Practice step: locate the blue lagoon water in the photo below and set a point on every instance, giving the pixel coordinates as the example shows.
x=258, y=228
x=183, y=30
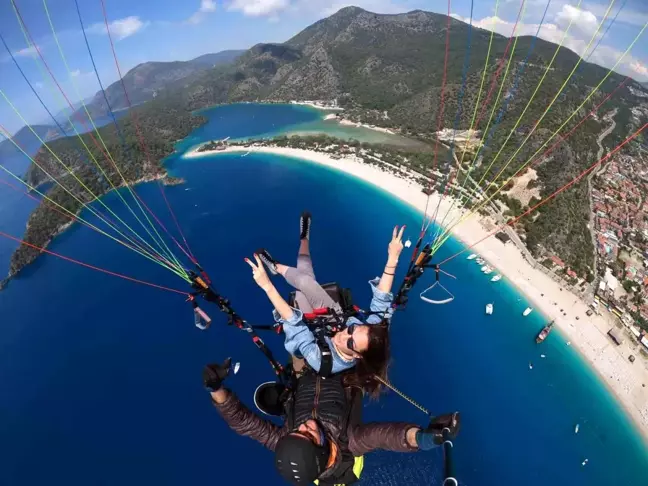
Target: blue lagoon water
x=102, y=378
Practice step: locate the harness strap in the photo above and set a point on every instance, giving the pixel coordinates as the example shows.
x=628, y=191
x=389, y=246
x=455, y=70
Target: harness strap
x=326, y=364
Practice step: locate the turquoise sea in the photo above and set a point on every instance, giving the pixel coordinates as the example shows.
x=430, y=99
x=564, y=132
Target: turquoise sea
x=101, y=378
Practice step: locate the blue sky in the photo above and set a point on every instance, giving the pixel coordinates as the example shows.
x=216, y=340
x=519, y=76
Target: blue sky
x=165, y=30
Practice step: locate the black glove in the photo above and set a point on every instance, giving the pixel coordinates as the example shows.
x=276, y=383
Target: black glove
x=432, y=436
x=450, y=421
x=215, y=374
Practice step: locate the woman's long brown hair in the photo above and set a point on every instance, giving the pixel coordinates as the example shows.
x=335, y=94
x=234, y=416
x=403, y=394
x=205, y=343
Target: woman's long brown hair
x=375, y=361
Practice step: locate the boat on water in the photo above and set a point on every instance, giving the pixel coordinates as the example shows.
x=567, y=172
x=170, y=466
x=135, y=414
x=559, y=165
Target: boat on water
x=488, y=270
x=489, y=309
x=484, y=268
x=527, y=311
x=584, y=462
x=496, y=278
x=480, y=261
x=576, y=428
x=545, y=332
x=472, y=256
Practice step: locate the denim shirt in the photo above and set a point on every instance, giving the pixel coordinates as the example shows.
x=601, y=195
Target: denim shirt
x=300, y=341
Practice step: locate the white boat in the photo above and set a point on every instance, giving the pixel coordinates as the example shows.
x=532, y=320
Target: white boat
x=472, y=256
x=527, y=311
x=530, y=366
x=543, y=356
x=496, y=278
x=484, y=268
x=480, y=261
x=584, y=462
x=489, y=309
x=488, y=270
x=576, y=428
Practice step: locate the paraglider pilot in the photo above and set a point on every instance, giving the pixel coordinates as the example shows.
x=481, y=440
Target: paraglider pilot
x=322, y=436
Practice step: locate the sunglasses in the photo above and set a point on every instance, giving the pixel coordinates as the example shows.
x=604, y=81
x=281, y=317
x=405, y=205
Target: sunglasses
x=350, y=330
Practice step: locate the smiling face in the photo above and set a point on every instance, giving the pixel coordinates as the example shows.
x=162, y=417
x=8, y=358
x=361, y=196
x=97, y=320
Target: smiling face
x=310, y=430
x=353, y=341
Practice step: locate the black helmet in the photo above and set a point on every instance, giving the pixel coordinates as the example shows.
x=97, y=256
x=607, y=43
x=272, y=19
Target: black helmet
x=299, y=461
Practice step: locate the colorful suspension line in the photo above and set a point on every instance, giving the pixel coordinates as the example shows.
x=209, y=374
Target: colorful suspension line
x=96, y=130
x=464, y=78
x=38, y=97
x=91, y=267
x=483, y=79
x=49, y=204
x=609, y=73
x=606, y=30
x=441, y=105
x=151, y=256
x=31, y=43
x=494, y=83
x=137, y=198
x=528, y=105
x=71, y=172
x=444, y=236
x=539, y=121
x=587, y=171
x=139, y=133
x=498, y=119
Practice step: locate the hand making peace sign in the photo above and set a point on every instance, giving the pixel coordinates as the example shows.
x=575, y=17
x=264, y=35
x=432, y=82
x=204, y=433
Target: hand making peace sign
x=259, y=274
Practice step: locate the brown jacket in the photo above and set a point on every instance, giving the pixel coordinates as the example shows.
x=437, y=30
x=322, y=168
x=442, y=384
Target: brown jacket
x=363, y=438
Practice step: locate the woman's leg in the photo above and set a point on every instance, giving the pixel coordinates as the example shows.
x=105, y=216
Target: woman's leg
x=316, y=296
x=304, y=262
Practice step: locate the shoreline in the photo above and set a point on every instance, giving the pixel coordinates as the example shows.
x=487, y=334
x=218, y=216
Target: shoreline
x=588, y=334
x=349, y=123
x=313, y=104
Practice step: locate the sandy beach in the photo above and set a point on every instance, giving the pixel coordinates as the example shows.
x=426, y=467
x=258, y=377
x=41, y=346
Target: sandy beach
x=587, y=334
x=314, y=104
x=364, y=125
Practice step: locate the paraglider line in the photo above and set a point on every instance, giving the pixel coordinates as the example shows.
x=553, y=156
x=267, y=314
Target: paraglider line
x=139, y=133
x=499, y=118
x=30, y=43
x=160, y=241
x=92, y=267
x=524, y=165
x=441, y=103
x=554, y=194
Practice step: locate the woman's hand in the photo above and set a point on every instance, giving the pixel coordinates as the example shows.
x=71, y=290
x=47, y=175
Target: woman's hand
x=259, y=274
x=396, y=244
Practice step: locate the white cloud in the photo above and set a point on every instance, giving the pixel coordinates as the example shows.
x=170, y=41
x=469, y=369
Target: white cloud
x=639, y=68
x=626, y=16
x=583, y=28
x=257, y=8
x=206, y=7
x=582, y=20
x=120, y=29
x=76, y=73
x=26, y=52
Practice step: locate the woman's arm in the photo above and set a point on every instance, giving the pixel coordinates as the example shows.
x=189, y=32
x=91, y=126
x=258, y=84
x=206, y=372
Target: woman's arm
x=283, y=309
x=393, y=253
x=261, y=278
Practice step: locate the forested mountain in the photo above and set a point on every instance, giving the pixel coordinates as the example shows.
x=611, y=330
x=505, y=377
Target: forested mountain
x=388, y=70
x=145, y=81
x=218, y=58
